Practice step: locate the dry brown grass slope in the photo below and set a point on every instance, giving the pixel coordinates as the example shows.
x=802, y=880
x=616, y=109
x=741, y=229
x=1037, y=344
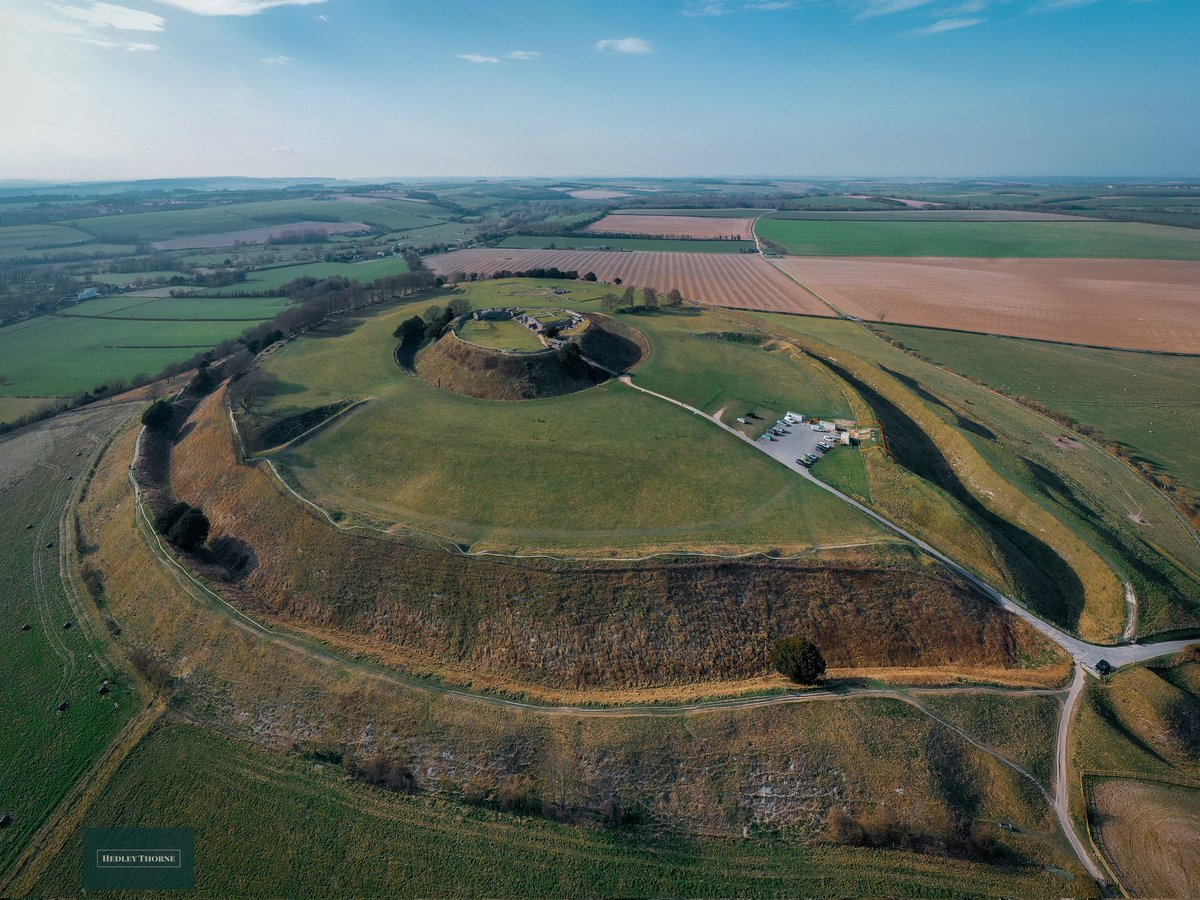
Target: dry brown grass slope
x=577, y=626
x=778, y=770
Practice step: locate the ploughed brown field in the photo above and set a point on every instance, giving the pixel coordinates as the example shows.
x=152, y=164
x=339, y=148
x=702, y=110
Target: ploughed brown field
x=1132, y=303
x=676, y=226
x=745, y=281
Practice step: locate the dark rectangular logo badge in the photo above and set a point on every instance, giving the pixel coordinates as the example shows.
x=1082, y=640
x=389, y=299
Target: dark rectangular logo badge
x=139, y=859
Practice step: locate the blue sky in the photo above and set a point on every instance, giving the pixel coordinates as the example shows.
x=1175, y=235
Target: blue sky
x=365, y=88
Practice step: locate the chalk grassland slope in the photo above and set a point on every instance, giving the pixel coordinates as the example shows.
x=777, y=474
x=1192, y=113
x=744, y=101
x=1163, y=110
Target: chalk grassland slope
x=676, y=226
x=1022, y=728
x=1147, y=305
x=1149, y=403
x=575, y=626
x=424, y=848
x=511, y=476
x=777, y=770
x=170, y=224
x=728, y=279
x=1150, y=835
x=1123, y=240
x=58, y=356
x=1125, y=521
x=1137, y=747
x=1039, y=558
x=53, y=242
x=577, y=241
x=44, y=751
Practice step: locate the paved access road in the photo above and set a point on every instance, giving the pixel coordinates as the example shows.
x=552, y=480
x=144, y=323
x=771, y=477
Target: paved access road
x=1085, y=654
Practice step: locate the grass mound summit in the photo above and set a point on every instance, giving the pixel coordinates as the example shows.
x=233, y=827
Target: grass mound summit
x=464, y=367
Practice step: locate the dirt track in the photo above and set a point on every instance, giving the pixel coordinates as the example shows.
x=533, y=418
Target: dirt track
x=721, y=279
x=1151, y=835
x=1137, y=304
x=676, y=226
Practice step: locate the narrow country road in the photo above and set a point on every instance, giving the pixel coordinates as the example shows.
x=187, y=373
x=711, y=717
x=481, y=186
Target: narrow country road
x=1087, y=655
x=1062, y=775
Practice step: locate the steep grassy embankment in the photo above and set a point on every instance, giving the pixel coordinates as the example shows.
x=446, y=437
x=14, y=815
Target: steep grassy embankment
x=781, y=771
x=573, y=626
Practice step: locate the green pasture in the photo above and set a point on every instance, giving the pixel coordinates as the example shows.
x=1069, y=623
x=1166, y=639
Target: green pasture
x=53, y=242
x=64, y=355
x=661, y=245
x=169, y=224
x=44, y=751
x=504, y=334
x=273, y=278
x=1149, y=402
x=842, y=468
x=604, y=467
x=273, y=825
x=130, y=277
x=1133, y=240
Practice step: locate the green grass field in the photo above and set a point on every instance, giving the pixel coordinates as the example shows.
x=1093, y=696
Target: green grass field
x=168, y=224
x=507, y=334
x=273, y=278
x=59, y=356
x=842, y=468
x=130, y=277
x=604, y=467
x=584, y=242
x=44, y=751
x=1148, y=402
x=53, y=242
x=287, y=826
x=982, y=239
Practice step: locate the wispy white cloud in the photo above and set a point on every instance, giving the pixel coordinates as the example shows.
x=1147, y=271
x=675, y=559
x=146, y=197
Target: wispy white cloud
x=287, y=151
x=32, y=24
x=714, y=8
x=109, y=15
x=1052, y=5
x=699, y=8
x=634, y=46
x=873, y=8
x=943, y=25
x=233, y=7
x=522, y=54
x=477, y=58
x=276, y=60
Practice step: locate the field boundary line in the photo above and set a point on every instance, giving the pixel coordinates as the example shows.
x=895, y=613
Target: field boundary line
x=50, y=838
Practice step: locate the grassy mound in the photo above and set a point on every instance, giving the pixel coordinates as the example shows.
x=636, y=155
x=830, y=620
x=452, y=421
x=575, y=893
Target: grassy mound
x=463, y=367
x=455, y=365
